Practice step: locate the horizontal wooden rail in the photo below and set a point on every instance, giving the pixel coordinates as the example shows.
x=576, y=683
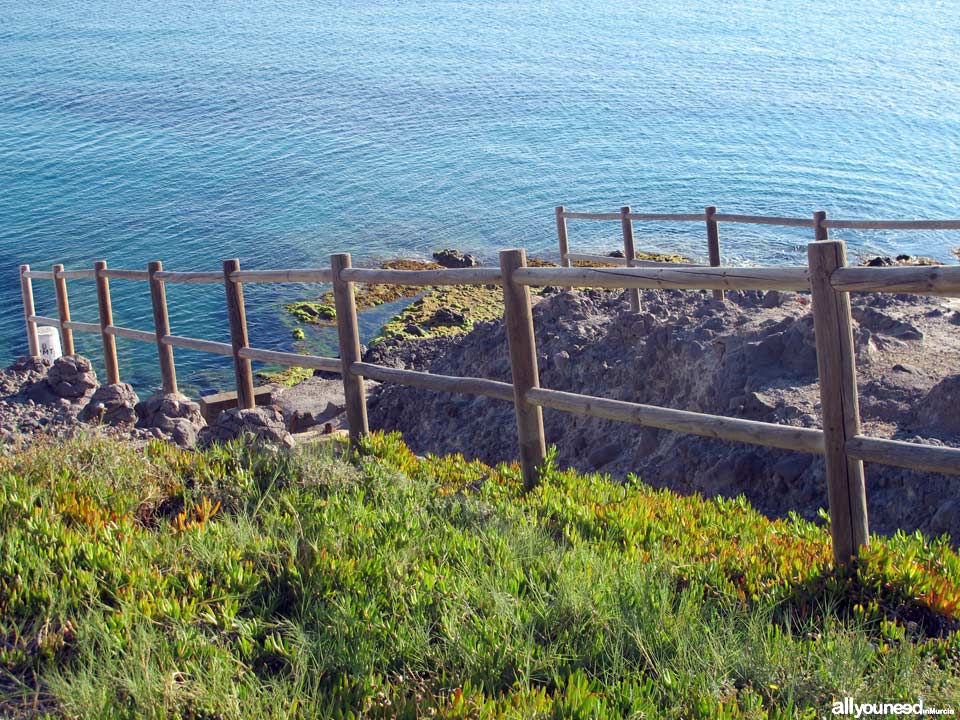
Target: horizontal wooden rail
x=591, y=216
x=442, y=383
x=684, y=278
x=306, y=275
x=763, y=220
x=208, y=346
x=424, y=278
x=44, y=320
x=131, y=334
x=314, y=362
x=595, y=257
x=189, y=277
x=125, y=274
x=893, y=224
x=751, y=432
x=915, y=456
x=590, y=257
x=921, y=279
x=773, y=220
x=76, y=274
x=82, y=326
x=39, y=274
x=666, y=217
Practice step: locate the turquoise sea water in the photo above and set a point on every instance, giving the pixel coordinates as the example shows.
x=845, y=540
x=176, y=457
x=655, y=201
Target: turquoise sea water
x=279, y=132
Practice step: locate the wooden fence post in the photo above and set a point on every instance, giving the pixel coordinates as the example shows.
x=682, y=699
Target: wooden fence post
x=630, y=252
x=237, y=315
x=518, y=321
x=106, y=320
x=26, y=290
x=833, y=331
x=819, y=230
x=349, y=336
x=713, y=243
x=161, y=323
x=562, y=241
x=63, y=310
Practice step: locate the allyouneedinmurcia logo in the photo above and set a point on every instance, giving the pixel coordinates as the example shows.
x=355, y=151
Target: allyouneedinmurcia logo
x=849, y=707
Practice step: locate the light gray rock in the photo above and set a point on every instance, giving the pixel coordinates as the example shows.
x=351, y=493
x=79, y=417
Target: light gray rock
x=310, y=403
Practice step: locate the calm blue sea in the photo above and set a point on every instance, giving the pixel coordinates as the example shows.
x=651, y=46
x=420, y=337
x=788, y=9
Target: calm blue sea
x=279, y=132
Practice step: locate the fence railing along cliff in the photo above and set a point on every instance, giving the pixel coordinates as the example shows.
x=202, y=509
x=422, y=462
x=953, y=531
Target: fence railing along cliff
x=826, y=276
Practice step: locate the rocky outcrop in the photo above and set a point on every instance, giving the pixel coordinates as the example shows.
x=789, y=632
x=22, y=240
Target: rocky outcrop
x=310, y=403
x=171, y=415
x=112, y=405
x=262, y=424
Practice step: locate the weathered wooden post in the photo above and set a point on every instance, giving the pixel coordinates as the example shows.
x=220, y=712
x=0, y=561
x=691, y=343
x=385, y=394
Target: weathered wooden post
x=105, y=308
x=630, y=252
x=348, y=334
x=237, y=315
x=713, y=243
x=63, y=310
x=26, y=290
x=562, y=242
x=833, y=329
x=518, y=320
x=819, y=229
x=161, y=323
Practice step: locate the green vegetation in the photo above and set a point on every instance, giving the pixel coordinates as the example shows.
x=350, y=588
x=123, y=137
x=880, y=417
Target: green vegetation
x=288, y=376
x=238, y=583
x=310, y=312
x=449, y=310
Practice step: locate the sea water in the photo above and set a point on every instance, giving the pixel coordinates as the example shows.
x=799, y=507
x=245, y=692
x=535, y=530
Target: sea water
x=280, y=132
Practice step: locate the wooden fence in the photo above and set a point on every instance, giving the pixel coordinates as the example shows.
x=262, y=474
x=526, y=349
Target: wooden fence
x=826, y=276
x=712, y=219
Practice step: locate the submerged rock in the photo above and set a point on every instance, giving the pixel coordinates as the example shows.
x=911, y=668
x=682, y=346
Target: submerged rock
x=455, y=259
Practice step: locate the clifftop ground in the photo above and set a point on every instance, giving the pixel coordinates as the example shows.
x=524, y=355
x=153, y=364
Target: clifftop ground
x=234, y=583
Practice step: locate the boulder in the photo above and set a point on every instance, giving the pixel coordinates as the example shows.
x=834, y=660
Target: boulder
x=111, y=404
x=455, y=259
x=263, y=424
x=173, y=414
x=70, y=378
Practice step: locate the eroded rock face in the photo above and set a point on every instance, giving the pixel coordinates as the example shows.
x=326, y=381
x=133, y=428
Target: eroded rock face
x=173, y=415
x=111, y=404
x=264, y=424
x=70, y=378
